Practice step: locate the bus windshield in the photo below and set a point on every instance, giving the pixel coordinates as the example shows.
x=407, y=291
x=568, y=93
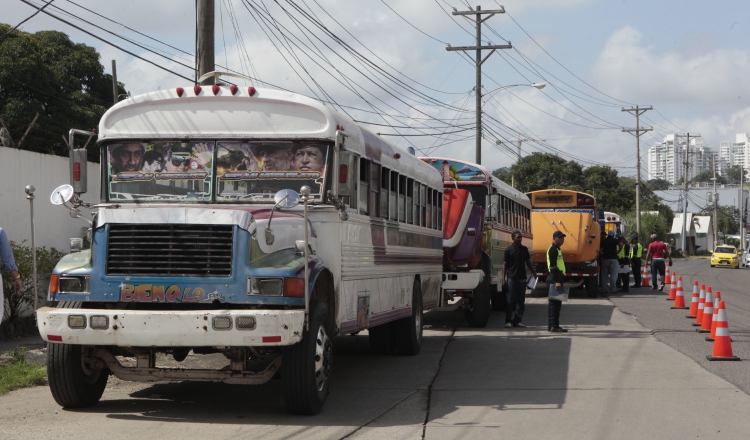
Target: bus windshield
x=207, y=171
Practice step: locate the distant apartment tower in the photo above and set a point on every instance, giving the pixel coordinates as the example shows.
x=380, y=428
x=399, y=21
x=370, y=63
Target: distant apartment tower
x=666, y=160
x=735, y=153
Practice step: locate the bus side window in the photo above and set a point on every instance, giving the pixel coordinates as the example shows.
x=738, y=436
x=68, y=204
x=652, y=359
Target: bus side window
x=439, y=204
x=373, y=207
x=402, y=198
x=428, y=216
x=385, y=177
x=416, y=208
x=410, y=201
x=393, y=197
x=364, y=185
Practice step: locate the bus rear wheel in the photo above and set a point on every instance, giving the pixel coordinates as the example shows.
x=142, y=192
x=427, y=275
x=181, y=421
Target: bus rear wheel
x=408, y=331
x=592, y=287
x=479, y=313
x=306, y=365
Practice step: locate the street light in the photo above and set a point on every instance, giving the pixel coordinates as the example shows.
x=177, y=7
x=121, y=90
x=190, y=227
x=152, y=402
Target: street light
x=479, y=112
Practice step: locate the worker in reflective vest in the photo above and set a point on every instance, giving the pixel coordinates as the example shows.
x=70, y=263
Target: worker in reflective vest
x=623, y=273
x=636, y=253
x=555, y=278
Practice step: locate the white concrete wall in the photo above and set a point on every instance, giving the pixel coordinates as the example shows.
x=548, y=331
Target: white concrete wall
x=54, y=226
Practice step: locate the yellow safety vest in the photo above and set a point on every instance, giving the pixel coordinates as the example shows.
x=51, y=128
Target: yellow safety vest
x=560, y=263
x=621, y=254
x=639, y=252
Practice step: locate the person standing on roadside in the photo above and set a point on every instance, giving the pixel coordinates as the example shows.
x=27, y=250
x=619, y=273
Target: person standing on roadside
x=657, y=252
x=555, y=278
x=636, y=253
x=514, y=276
x=6, y=253
x=624, y=261
x=610, y=264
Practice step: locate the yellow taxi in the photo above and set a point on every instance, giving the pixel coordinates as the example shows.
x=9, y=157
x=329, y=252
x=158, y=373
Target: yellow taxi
x=725, y=255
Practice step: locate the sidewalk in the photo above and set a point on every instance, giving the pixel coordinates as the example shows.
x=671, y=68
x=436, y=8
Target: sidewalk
x=607, y=378
x=30, y=342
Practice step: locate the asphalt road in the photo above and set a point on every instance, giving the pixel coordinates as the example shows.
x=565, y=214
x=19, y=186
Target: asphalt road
x=671, y=327
x=638, y=374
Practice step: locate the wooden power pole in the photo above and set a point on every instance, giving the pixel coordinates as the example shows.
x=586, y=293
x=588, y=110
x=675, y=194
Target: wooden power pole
x=638, y=111
x=205, y=53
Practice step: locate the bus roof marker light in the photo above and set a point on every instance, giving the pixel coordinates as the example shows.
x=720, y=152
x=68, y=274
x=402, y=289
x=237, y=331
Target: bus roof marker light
x=251, y=90
x=180, y=92
x=197, y=90
x=397, y=156
x=215, y=88
x=340, y=127
x=233, y=88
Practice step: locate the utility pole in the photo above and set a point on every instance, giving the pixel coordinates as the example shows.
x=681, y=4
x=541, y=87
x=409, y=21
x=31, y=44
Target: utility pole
x=638, y=111
x=206, y=39
x=742, y=207
x=716, y=203
x=115, y=98
x=686, y=163
x=478, y=60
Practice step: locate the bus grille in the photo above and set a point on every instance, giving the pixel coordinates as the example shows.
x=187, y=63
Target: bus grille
x=170, y=250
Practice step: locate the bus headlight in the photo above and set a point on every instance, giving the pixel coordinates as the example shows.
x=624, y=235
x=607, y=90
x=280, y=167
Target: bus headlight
x=74, y=284
x=77, y=321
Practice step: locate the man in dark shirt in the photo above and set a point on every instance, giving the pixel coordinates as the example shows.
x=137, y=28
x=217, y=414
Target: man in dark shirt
x=514, y=275
x=610, y=263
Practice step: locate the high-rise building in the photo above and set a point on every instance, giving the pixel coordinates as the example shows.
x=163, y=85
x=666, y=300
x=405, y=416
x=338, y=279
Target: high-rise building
x=735, y=153
x=666, y=160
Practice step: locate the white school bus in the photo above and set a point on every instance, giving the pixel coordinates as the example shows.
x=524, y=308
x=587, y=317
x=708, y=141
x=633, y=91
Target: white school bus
x=253, y=223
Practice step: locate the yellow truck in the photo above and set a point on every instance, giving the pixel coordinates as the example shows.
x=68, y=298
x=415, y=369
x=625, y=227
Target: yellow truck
x=575, y=215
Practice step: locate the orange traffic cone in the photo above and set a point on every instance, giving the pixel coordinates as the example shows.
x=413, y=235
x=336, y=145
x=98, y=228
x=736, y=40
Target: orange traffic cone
x=717, y=300
x=667, y=281
x=701, y=306
x=722, y=343
x=673, y=288
x=694, y=301
x=645, y=278
x=679, y=299
x=708, y=313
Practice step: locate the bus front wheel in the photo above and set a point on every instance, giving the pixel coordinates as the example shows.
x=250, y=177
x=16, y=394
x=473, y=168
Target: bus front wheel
x=306, y=365
x=479, y=313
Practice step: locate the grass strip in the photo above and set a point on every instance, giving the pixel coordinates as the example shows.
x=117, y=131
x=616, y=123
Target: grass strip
x=16, y=373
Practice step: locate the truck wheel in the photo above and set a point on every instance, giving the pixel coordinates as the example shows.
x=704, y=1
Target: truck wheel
x=382, y=338
x=306, y=365
x=592, y=287
x=479, y=313
x=73, y=382
x=408, y=331
x=498, y=298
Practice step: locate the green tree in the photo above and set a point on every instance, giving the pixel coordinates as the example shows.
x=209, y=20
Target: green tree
x=657, y=184
x=503, y=174
x=728, y=218
x=706, y=176
x=543, y=170
x=733, y=174
x=64, y=82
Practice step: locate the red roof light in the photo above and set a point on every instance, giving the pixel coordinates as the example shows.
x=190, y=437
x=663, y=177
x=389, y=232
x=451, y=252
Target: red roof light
x=215, y=88
x=180, y=92
x=251, y=91
x=233, y=88
x=197, y=90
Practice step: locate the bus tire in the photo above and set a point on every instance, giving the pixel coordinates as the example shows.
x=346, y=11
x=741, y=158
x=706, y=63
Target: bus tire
x=498, y=298
x=306, y=365
x=479, y=313
x=592, y=287
x=73, y=382
x=408, y=331
x=382, y=338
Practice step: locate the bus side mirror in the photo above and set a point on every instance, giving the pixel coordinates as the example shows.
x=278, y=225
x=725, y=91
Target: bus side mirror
x=78, y=176
x=344, y=183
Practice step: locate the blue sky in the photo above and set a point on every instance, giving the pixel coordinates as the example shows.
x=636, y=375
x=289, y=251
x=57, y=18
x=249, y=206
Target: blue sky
x=688, y=59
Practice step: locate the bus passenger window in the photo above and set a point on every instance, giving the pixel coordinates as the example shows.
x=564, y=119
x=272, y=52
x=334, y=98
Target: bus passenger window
x=410, y=201
x=364, y=185
x=437, y=201
x=402, y=198
x=416, y=207
x=373, y=206
x=384, y=180
x=428, y=213
x=393, y=197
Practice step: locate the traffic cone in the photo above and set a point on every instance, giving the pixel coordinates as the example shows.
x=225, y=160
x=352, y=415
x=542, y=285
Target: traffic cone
x=694, y=301
x=645, y=282
x=708, y=313
x=673, y=288
x=701, y=306
x=717, y=300
x=679, y=299
x=722, y=342
x=667, y=280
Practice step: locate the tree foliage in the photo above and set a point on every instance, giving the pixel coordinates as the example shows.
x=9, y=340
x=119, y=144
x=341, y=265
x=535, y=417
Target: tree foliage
x=728, y=218
x=657, y=184
x=544, y=170
x=64, y=82
x=706, y=176
x=733, y=174
x=46, y=259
